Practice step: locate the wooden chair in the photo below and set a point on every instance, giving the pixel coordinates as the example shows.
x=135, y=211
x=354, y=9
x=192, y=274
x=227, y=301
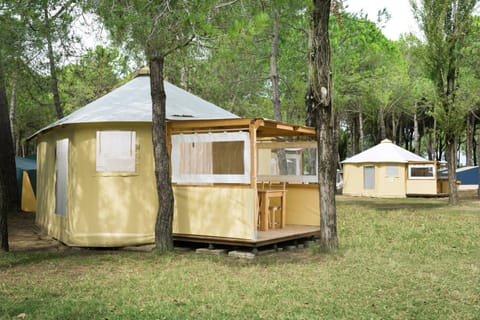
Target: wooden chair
x=273, y=210
x=272, y=219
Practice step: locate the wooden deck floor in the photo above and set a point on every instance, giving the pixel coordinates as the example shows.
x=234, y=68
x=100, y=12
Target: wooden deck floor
x=290, y=232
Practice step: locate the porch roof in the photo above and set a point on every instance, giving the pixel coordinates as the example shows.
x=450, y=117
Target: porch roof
x=264, y=127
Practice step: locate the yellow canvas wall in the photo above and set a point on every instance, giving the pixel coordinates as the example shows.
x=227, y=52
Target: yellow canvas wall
x=112, y=208
x=385, y=185
x=422, y=186
x=214, y=211
x=391, y=185
x=303, y=205
x=53, y=224
x=351, y=178
x=103, y=209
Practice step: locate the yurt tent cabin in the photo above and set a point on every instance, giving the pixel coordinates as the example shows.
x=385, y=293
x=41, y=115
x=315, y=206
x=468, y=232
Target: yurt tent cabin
x=389, y=171
x=96, y=183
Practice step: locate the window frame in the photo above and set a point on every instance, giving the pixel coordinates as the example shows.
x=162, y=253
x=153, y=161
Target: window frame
x=193, y=179
x=296, y=150
x=366, y=186
x=61, y=177
x=389, y=174
x=423, y=165
x=101, y=161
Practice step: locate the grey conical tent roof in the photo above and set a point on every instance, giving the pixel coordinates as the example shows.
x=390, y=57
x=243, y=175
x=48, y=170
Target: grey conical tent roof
x=386, y=151
x=132, y=102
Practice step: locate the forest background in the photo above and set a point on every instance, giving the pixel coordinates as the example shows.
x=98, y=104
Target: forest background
x=382, y=88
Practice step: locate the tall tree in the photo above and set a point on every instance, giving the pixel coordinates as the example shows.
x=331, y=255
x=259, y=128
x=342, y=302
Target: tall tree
x=48, y=31
x=158, y=29
x=234, y=67
x=52, y=35
x=320, y=89
x=445, y=24
x=7, y=165
x=10, y=44
x=364, y=63
x=277, y=113
x=96, y=73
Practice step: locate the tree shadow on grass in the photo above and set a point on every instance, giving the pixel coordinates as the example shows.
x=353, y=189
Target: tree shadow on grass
x=26, y=258
x=395, y=205
x=30, y=258
x=382, y=204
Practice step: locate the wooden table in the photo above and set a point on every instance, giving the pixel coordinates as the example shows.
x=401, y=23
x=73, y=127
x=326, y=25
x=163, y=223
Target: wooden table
x=264, y=197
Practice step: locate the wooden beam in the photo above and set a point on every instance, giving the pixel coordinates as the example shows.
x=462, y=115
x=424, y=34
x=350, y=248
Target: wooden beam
x=287, y=144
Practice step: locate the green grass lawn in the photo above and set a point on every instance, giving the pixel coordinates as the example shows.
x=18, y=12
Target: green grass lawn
x=399, y=259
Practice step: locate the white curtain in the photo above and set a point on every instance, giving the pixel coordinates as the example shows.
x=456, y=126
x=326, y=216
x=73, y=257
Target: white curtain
x=201, y=158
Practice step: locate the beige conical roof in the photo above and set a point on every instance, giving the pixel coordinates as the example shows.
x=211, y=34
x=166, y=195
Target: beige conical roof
x=385, y=151
x=132, y=102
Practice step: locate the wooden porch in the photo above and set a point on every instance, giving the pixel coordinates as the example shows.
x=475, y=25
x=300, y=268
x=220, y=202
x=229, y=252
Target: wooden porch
x=290, y=232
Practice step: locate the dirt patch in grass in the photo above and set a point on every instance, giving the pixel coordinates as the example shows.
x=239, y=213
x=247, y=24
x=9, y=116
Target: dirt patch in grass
x=25, y=235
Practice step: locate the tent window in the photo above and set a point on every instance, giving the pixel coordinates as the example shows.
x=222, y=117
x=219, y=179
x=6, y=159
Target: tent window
x=293, y=161
x=211, y=158
x=392, y=171
x=421, y=171
x=115, y=151
x=61, y=177
x=369, y=177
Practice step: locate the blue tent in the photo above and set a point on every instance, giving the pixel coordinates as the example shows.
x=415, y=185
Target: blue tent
x=468, y=175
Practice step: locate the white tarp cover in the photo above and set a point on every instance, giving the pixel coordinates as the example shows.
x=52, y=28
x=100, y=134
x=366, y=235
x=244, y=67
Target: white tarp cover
x=211, y=158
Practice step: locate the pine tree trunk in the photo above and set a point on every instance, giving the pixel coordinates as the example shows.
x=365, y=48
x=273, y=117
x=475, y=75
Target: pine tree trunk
x=52, y=65
x=13, y=105
x=309, y=98
x=474, y=145
x=164, y=222
x=184, y=77
x=452, y=167
x=381, y=124
x=394, y=129
x=310, y=108
x=450, y=137
x=469, y=139
x=360, y=130
x=8, y=185
x=325, y=119
x=354, y=135
x=277, y=113
x=416, y=132
x=434, y=140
